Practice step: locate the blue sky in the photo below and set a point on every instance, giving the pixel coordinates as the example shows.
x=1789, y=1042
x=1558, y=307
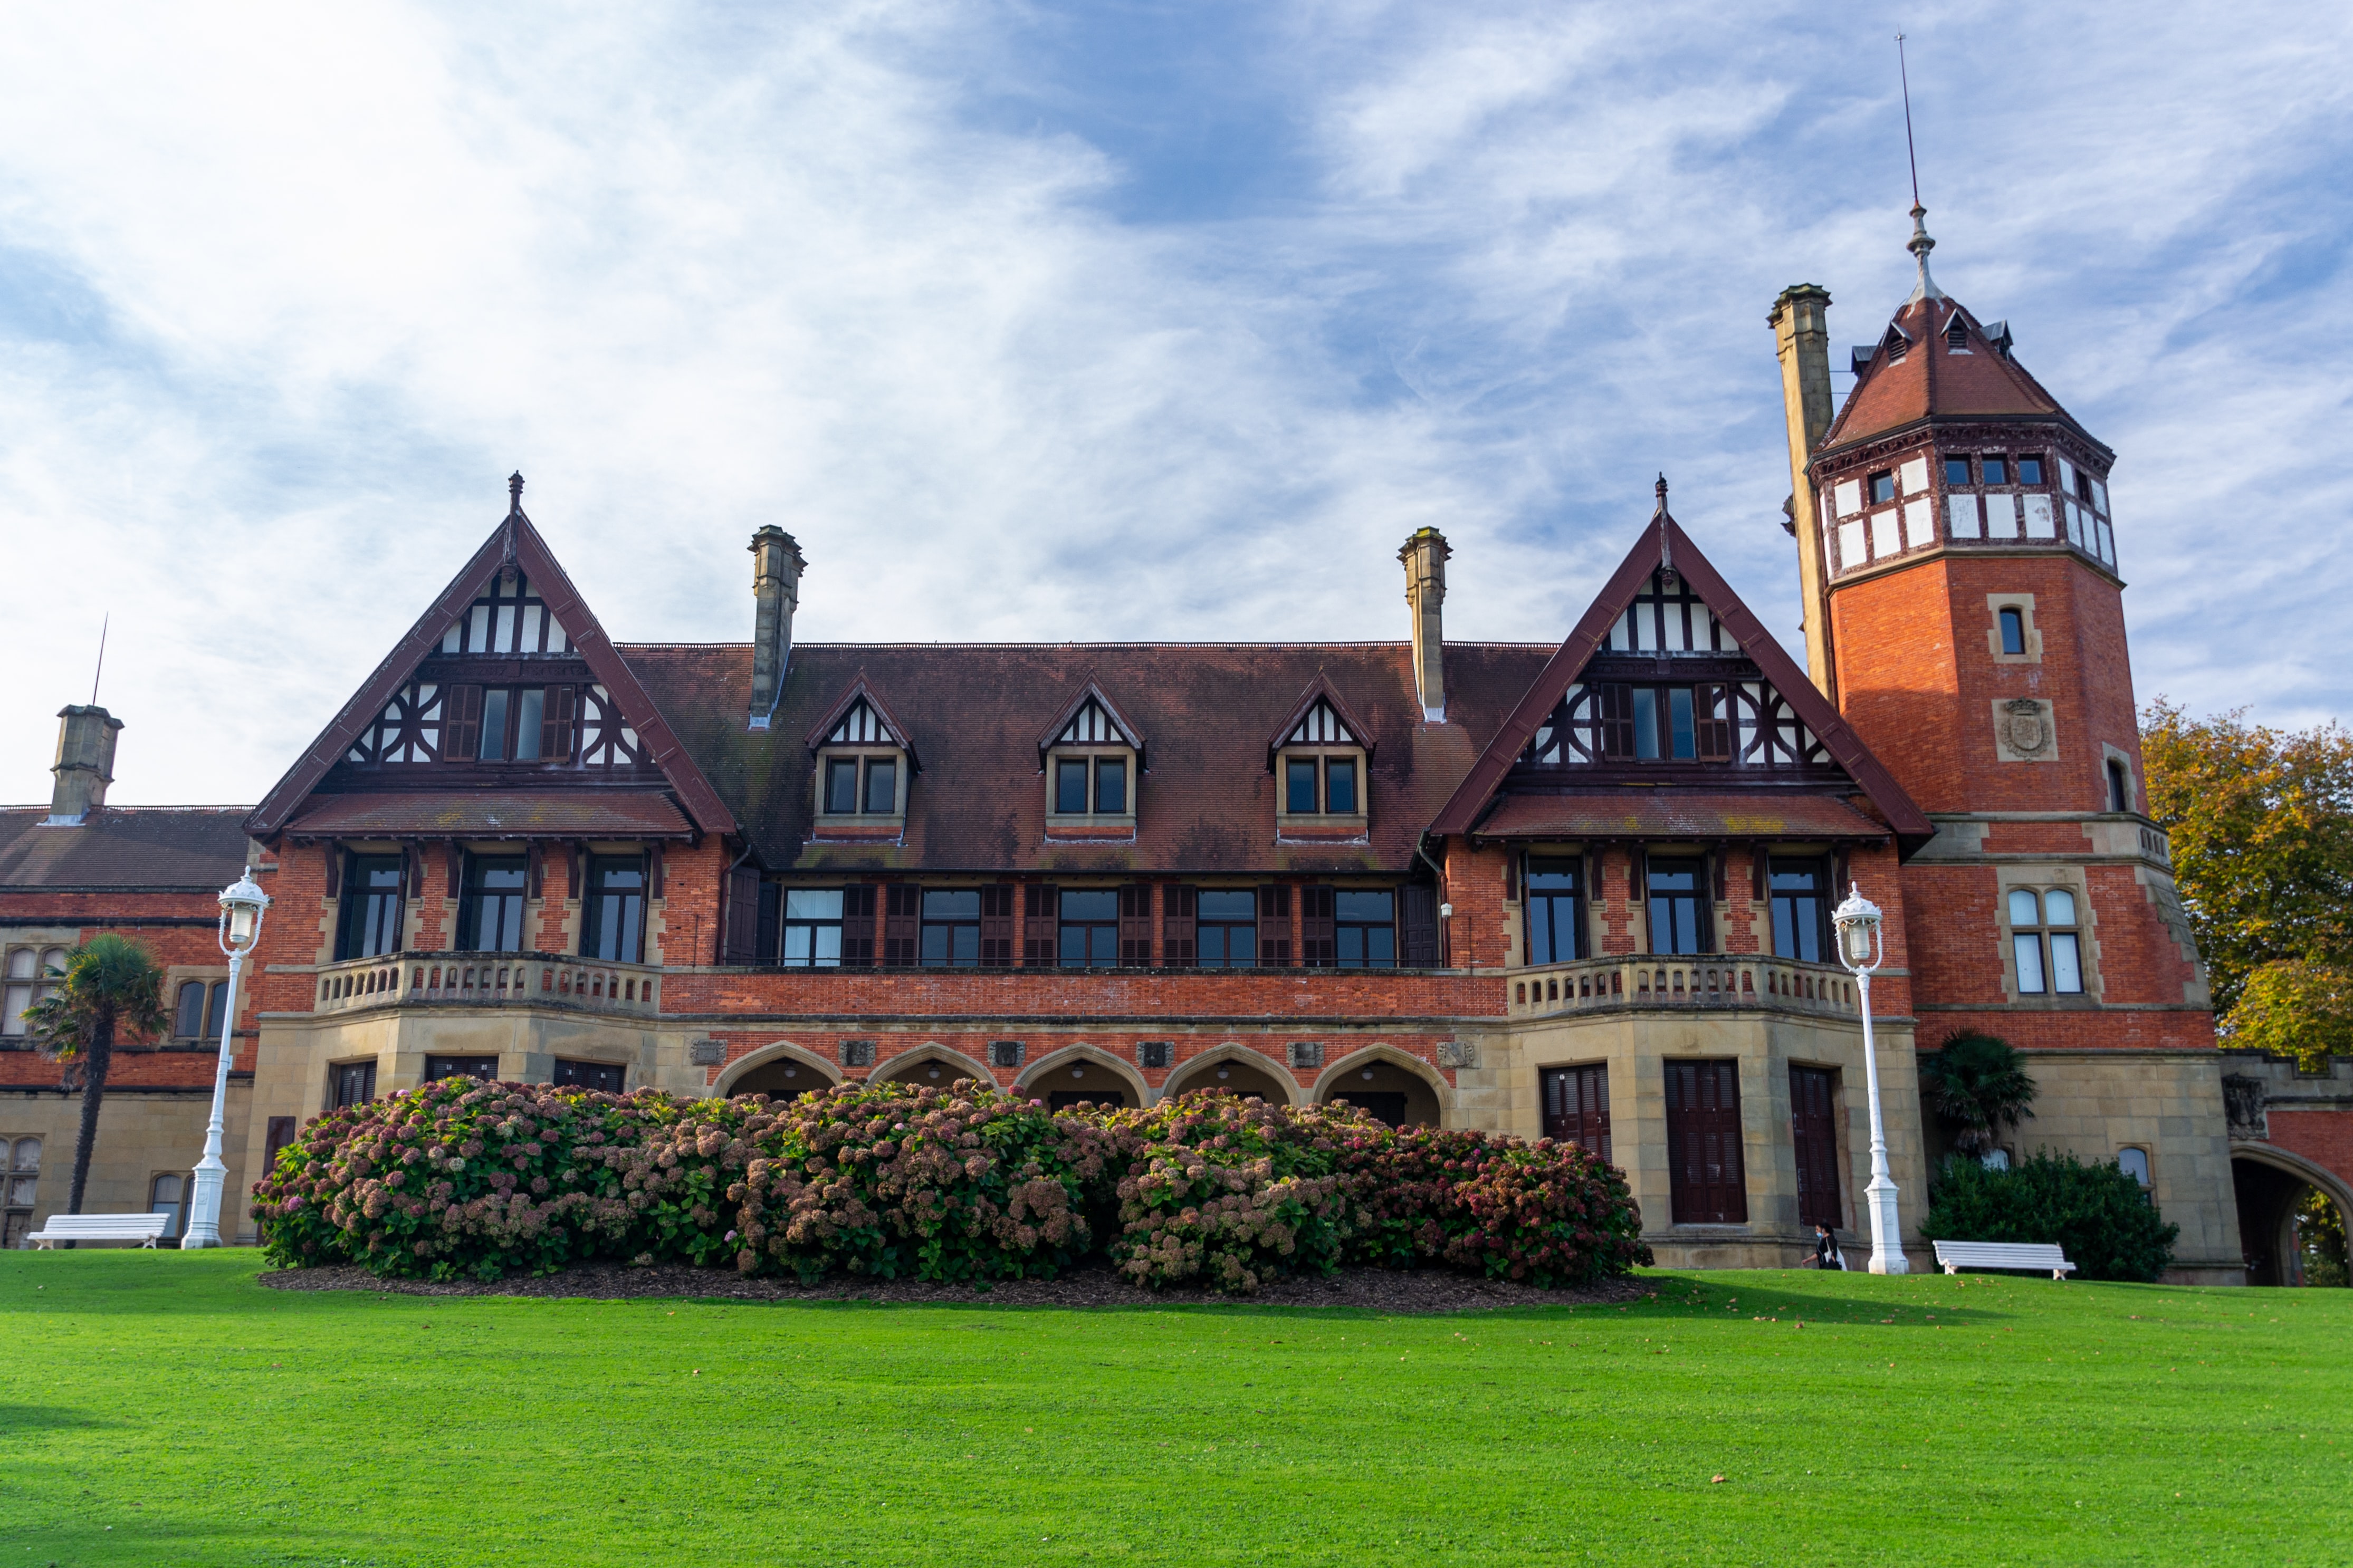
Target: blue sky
x=1100, y=322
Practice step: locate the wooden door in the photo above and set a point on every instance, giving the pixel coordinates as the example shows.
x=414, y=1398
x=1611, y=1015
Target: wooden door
x=1704, y=1142
x=1813, y=1133
x=1577, y=1107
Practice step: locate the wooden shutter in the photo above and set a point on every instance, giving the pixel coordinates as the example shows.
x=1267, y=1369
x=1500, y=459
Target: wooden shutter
x=1813, y=1134
x=535, y=883
x=740, y=932
x=281, y=1132
x=996, y=926
x=1617, y=721
x=1318, y=943
x=1759, y=888
x=1419, y=924
x=1274, y=926
x=1136, y=925
x=1180, y=908
x=461, y=724
x=558, y=723
x=1577, y=1107
x=456, y=860
x=1711, y=709
x=857, y=925
x=1040, y=906
x=1704, y=1173
x=903, y=923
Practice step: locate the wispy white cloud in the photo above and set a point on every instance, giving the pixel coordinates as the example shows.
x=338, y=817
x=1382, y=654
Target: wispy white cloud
x=285, y=292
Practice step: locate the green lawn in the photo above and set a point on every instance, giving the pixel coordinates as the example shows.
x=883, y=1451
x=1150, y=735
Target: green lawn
x=163, y=1408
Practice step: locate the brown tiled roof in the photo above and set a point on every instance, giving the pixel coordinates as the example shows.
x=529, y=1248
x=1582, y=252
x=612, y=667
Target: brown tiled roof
x=573, y=814
x=973, y=712
x=1672, y=813
x=194, y=848
x=1930, y=379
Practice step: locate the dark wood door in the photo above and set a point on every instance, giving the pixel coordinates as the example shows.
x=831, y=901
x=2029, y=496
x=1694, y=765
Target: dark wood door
x=1704, y=1142
x=1577, y=1107
x=1384, y=1106
x=1813, y=1132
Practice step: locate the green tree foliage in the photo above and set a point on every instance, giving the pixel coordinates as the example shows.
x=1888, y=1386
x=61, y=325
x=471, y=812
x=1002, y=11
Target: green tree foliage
x=2320, y=1237
x=2261, y=825
x=1977, y=1087
x=112, y=987
x=2099, y=1215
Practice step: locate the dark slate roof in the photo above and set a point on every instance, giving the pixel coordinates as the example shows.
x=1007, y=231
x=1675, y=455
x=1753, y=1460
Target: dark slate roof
x=1931, y=381
x=571, y=813
x=198, y=849
x=973, y=711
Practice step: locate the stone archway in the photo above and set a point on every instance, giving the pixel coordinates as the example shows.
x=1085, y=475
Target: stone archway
x=1239, y=1071
x=1393, y=1085
x=2269, y=1183
x=781, y=1070
x=931, y=1066
x=1088, y=1073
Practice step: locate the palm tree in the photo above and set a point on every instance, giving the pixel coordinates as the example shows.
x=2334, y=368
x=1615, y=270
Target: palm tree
x=1978, y=1086
x=112, y=984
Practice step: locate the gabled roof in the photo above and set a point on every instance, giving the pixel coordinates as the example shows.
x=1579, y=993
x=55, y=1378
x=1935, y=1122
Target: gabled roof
x=860, y=689
x=1319, y=689
x=1091, y=691
x=1663, y=541
x=1913, y=373
x=515, y=540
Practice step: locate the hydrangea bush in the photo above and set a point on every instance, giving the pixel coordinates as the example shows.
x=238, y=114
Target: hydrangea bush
x=460, y=1177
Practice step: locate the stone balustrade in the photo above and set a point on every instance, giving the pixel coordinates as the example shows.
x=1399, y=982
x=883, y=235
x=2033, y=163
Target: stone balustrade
x=1702, y=980
x=487, y=979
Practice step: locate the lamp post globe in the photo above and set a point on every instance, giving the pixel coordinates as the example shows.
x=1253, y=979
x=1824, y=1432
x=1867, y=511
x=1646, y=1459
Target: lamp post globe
x=242, y=903
x=1863, y=948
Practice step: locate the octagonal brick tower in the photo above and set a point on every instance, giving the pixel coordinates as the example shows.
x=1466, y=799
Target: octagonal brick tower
x=1972, y=619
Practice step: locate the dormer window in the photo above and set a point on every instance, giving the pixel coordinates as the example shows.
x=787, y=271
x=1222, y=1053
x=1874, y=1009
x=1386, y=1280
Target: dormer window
x=1897, y=342
x=862, y=765
x=1093, y=767
x=1957, y=336
x=1320, y=771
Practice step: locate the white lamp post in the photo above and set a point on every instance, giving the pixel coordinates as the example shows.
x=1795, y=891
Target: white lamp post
x=1861, y=948
x=240, y=927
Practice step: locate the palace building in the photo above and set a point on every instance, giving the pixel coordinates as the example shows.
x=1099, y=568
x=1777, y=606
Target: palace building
x=1578, y=890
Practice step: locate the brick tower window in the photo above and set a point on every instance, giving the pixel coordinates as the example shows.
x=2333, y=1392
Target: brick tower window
x=2120, y=790
x=2013, y=630
x=2044, y=941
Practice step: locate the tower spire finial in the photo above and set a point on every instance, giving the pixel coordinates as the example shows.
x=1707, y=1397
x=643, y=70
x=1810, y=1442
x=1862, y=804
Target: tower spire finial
x=514, y=492
x=1920, y=245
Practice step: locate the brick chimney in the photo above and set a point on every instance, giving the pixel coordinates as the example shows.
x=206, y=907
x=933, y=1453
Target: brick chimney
x=1800, y=326
x=85, y=763
x=1425, y=556
x=777, y=567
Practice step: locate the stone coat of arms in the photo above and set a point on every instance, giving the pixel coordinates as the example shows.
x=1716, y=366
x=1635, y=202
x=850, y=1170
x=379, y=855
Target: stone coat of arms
x=2025, y=728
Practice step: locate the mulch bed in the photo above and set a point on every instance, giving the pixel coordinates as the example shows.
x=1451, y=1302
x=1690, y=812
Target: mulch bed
x=1377, y=1290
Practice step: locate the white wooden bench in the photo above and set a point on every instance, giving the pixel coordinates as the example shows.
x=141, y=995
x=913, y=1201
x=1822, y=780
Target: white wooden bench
x=146, y=1229
x=2036, y=1256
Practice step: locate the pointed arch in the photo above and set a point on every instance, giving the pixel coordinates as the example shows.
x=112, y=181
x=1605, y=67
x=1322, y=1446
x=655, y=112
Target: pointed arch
x=1033, y=1077
x=2339, y=1190
x=895, y=1069
x=775, y=1053
x=1200, y=1071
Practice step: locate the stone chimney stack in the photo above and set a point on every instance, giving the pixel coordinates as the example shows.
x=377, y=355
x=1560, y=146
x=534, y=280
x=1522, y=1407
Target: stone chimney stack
x=1425, y=556
x=1800, y=323
x=85, y=763
x=777, y=567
